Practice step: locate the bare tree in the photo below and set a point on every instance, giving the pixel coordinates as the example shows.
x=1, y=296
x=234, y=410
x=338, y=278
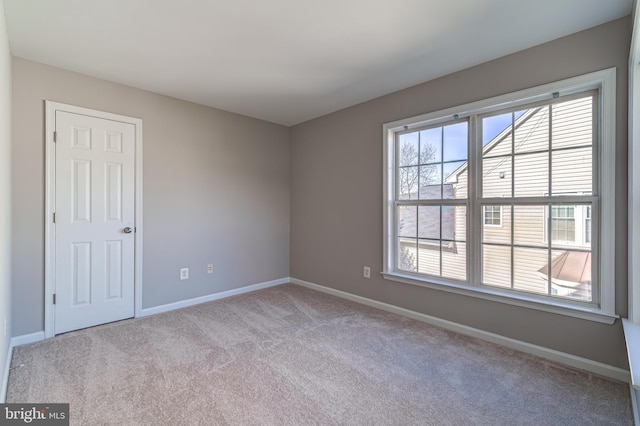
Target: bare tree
x=417, y=172
x=412, y=177
x=407, y=260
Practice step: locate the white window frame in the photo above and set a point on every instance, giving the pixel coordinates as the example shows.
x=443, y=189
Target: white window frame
x=604, y=310
x=634, y=172
x=632, y=323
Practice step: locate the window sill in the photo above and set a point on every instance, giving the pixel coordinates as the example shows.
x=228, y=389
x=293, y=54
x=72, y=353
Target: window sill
x=632, y=337
x=553, y=306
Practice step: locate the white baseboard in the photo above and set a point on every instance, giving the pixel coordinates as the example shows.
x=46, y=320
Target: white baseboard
x=211, y=297
x=39, y=335
x=27, y=338
x=16, y=341
x=585, y=364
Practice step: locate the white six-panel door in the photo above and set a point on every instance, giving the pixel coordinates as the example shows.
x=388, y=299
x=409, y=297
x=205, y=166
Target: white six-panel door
x=94, y=221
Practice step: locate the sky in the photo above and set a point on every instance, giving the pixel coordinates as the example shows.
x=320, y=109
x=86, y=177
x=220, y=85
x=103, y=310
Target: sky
x=454, y=149
x=492, y=126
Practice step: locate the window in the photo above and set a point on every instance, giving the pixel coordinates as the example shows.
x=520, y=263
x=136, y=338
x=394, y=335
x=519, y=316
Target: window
x=563, y=223
x=492, y=215
x=498, y=201
x=570, y=225
x=587, y=225
x=536, y=157
x=431, y=225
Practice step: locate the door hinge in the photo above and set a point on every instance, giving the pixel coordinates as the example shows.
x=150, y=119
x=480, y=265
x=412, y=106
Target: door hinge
x=54, y=217
x=55, y=136
x=54, y=298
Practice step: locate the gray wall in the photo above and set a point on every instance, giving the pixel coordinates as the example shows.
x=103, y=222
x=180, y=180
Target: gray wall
x=216, y=190
x=336, y=197
x=5, y=192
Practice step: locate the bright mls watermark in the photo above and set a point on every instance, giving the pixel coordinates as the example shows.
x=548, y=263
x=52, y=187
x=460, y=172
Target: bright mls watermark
x=34, y=414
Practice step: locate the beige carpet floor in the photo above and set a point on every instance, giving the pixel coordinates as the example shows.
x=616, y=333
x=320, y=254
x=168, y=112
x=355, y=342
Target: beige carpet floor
x=292, y=356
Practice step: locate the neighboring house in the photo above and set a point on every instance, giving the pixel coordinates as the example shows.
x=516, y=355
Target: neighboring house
x=570, y=233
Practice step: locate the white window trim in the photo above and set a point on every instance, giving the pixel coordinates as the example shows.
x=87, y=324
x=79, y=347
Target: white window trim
x=634, y=172
x=632, y=324
x=605, y=81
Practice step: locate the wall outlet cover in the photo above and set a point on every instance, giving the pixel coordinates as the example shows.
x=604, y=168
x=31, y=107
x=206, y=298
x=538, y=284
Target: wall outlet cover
x=184, y=274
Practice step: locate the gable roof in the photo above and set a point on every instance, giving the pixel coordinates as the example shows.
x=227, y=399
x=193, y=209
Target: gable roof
x=500, y=137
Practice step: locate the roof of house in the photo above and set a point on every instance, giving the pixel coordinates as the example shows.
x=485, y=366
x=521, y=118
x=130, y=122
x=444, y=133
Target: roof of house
x=427, y=218
x=494, y=142
x=571, y=267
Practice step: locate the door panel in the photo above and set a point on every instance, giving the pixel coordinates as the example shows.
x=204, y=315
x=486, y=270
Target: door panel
x=81, y=273
x=81, y=191
x=94, y=202
x=113, y=193
x=113, y=269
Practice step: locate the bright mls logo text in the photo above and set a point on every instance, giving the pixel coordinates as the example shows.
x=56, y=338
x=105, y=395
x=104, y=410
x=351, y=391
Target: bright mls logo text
x=49, y=414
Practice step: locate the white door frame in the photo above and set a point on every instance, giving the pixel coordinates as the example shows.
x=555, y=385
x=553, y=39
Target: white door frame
x=50, y=176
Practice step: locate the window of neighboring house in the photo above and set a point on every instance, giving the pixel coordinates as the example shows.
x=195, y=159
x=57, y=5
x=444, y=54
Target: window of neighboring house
x=563, y=223
x=492, y=215
x=462, y=183
x=570, y=224
x=587, y=225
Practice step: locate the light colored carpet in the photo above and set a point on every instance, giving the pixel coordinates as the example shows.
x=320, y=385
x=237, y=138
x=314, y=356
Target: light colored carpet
x=292, y=356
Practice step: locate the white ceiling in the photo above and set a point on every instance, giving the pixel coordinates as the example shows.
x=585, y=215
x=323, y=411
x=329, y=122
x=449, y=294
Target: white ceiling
x=287, y=61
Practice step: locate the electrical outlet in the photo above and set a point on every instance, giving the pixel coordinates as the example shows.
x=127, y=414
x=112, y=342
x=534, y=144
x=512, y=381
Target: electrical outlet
x=210, y=268
x=366, y=272
x=184, y=274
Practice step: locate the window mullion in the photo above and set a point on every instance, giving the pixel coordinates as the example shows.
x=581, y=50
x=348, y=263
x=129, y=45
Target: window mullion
x=474, y=215
x=417, y=207
x=440, y=240
x=599, y=187
x=596, y=238
x=549, y=219
x=513, y=194
x=441, y=165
